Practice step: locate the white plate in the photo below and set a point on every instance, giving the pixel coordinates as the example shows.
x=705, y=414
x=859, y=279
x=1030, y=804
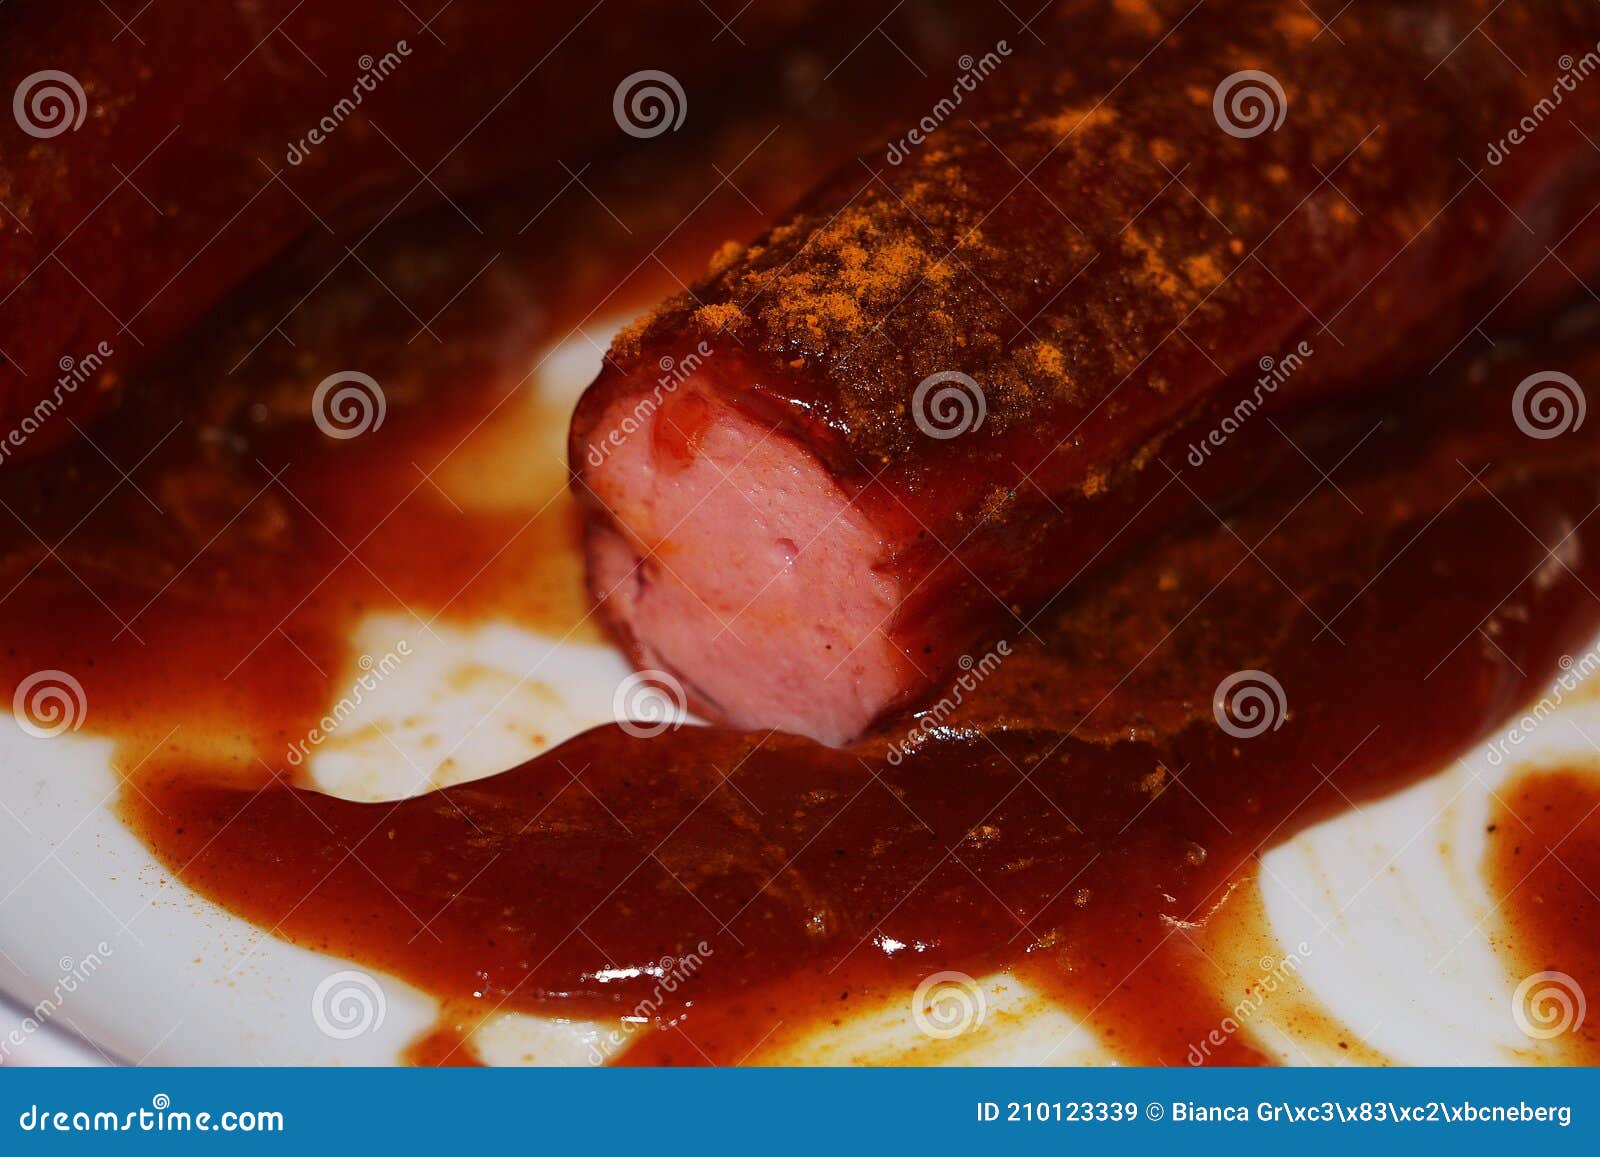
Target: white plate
x=100, y=940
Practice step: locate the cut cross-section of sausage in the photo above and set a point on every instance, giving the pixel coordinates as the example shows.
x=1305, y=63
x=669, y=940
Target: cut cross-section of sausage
x=731, y=553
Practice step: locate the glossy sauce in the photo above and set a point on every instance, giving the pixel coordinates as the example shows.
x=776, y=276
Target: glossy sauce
x=1080, y=820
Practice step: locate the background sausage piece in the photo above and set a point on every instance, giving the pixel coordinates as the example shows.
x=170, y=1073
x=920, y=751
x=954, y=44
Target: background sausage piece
x=150, y=166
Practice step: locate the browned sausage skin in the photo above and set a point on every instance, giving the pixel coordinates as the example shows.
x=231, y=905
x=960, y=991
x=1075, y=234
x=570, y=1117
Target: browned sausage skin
x=940, y=388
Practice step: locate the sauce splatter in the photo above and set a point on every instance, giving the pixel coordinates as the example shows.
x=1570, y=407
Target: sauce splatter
x=1544, y=866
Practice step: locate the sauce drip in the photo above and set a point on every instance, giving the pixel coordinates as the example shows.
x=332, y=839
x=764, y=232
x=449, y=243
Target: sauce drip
x=1079, y=819
x=1543, y=864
